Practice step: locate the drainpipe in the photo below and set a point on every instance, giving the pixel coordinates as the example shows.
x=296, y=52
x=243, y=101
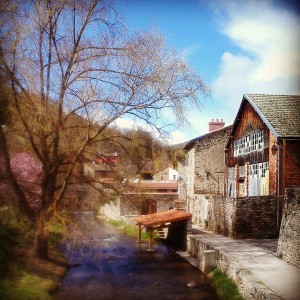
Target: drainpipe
x=278, y=184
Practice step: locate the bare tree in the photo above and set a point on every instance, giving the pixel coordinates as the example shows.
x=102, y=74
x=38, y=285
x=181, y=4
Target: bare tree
x=66, y=60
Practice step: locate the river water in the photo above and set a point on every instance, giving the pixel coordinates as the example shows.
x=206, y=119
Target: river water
x=106, y=264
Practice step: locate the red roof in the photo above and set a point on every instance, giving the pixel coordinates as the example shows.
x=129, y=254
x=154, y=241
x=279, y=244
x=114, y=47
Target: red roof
x=163, y=217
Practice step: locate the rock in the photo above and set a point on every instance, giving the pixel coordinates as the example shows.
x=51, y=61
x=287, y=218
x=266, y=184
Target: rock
x=192, y=284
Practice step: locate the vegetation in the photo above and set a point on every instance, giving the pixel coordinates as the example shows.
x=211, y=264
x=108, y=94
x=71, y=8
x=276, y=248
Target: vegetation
x=23, y=276
x=225, y=287
x=129, y=230
x=68, y=71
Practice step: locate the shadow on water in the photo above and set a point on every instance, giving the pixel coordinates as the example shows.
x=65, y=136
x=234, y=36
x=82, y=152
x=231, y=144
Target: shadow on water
x=110, y=265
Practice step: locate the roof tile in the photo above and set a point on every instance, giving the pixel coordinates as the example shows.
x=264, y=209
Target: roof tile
x=281, y=111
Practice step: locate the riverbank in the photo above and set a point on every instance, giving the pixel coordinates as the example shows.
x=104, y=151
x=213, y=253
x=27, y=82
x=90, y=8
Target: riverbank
x=251, y=264
x=24, y=276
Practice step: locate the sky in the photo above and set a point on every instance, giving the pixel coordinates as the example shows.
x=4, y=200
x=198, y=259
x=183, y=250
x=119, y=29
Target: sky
x=237, y=46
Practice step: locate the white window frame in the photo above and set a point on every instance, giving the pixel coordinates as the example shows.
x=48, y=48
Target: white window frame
x=248, y=144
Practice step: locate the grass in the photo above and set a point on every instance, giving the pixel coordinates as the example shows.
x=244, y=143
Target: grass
x=26, y=287
x=129, y=230
x=225, y=287
x=22, y=275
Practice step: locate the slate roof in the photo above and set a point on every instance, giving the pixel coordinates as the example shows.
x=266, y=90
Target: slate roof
x=191, y=143
x=281, y=113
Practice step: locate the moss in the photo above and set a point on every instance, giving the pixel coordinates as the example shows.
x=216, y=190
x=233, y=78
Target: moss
x=225, y=287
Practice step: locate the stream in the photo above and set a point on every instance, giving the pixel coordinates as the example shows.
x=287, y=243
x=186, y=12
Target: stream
x=106, y=264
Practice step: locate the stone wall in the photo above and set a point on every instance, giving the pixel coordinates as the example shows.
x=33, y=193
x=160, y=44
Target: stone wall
x=209, y=257
x=221, y=215
x=202, y=174
x=209, y=171
x=256, y=217
x=186, y=176
x=128, y=206
x=111, y=210
x=289, y=238
x=245, y=217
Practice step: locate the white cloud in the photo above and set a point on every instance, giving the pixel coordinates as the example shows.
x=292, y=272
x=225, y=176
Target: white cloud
x=272, y=36
x=269, y=56
x=176, y=137
x=189, y=51
x=125, y=123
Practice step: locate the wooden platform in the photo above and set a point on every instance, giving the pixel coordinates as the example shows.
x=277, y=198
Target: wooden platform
x=154, y=222
x=163, y=217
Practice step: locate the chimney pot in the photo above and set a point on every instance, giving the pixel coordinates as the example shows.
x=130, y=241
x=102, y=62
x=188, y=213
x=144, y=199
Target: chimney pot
x=215, y=124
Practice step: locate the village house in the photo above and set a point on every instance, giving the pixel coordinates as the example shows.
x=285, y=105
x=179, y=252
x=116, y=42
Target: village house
x=104, y=168
x=263, y=173
x=263, y=152
x=263, y=163
x=233, y=179
x=142, y=197
x=168, y=173
x=110, y=159
x=201, y=171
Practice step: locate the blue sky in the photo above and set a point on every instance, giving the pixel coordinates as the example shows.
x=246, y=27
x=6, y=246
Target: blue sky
x=238, y=46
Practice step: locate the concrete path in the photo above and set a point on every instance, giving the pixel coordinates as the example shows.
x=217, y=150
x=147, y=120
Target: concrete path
x=258, y=256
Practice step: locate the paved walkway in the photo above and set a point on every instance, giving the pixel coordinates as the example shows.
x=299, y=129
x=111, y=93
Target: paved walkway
x=257, y=256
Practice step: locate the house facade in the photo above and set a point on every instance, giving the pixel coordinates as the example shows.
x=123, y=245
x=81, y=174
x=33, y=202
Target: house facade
x=262, y=161
x=168, y=173
x=142, y=197
x=263, y=152
x=202, y=172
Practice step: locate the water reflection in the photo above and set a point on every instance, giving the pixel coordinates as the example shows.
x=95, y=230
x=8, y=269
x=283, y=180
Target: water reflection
x=110, y=265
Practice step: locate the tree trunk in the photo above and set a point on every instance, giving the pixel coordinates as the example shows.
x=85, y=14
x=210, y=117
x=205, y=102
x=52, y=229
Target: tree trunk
x=41, y=237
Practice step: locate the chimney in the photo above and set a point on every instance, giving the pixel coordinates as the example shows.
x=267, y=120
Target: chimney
x=215, y=124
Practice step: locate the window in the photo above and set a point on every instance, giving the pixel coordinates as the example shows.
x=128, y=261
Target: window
x=258, y=182
x=250, y=143
x=258, y=170
x=241, y=171
x=231, y=183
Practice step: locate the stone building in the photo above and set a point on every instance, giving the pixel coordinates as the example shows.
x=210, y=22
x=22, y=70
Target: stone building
x=168, y=173
x=239, y=191
x=142, y=197
x=202, y=171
